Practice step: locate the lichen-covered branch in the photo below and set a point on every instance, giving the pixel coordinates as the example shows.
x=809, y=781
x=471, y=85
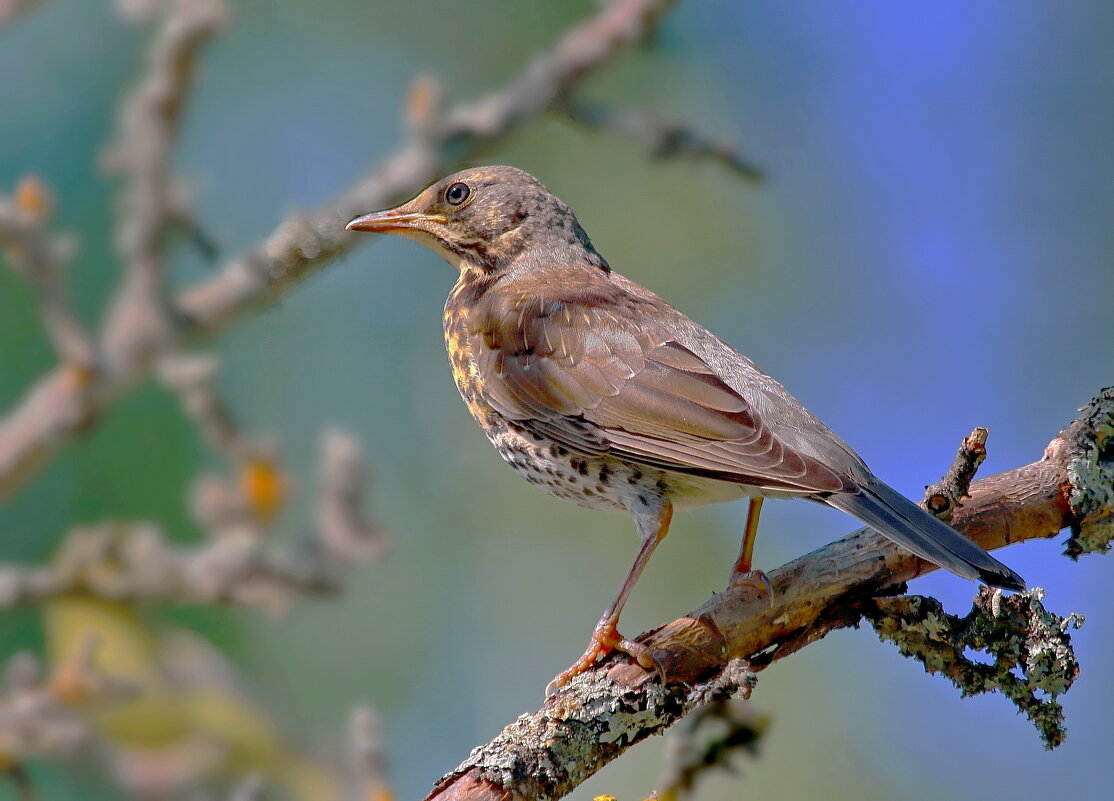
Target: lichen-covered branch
x=834, y=587
x=1030, y=648
x=1087, y=447
x=547, y=754
x=58, y=407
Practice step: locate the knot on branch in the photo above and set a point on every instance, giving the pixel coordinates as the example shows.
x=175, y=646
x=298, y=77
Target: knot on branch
x=943, y=496
x=1090, y=442
x=1026, y=651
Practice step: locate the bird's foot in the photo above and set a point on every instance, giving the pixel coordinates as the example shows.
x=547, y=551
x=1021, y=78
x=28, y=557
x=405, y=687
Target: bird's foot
x=752, y=578
x=605, y=639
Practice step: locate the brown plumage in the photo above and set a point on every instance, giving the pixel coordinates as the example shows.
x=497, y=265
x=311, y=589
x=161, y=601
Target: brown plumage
x=597, y=390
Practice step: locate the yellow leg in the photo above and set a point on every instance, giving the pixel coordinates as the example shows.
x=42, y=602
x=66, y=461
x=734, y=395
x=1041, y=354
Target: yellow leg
x=746, y=551
x=742, y=573
x=606, y=637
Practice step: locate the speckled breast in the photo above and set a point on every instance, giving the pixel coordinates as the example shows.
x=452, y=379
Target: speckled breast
x=589, y=481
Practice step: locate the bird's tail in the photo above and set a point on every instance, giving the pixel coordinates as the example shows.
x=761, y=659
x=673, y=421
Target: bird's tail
x=892, y=514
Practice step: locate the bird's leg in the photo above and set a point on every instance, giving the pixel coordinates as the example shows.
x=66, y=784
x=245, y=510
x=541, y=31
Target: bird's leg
x=742, y=573
x=606, y=637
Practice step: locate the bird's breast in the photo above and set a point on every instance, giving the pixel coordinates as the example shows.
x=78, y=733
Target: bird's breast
x=466, y=372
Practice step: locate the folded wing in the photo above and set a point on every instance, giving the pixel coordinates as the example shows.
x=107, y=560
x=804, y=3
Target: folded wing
x=572, y=368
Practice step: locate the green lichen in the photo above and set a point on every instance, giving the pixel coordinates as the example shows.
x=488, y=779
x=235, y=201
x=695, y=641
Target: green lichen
x=1091, y=473
x=1028, y=653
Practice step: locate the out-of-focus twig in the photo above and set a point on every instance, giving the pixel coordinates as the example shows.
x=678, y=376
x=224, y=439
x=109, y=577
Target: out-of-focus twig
x=663, y=137
x=40, y=256
x=192, y=378
x=238, y=564
x=136, y=562
x=41, y=715
x=255, y=496
x=710, y=738
x=149, y=205
x=249, y=788
x=442, y=138
x=11, y=10
x=256, y=493
x=343, y=528
x=367, y=763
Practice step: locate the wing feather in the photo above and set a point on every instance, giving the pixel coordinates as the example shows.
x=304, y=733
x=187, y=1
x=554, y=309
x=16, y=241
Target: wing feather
x=578, y=369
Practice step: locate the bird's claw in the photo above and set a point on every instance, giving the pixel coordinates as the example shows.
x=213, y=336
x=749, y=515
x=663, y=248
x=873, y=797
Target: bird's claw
x=752, y=578
x=605, y=639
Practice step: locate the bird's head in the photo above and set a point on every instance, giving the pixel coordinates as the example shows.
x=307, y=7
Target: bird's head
x=486, y=219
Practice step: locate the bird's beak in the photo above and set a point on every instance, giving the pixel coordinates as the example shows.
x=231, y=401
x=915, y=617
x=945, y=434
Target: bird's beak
x=399, y=219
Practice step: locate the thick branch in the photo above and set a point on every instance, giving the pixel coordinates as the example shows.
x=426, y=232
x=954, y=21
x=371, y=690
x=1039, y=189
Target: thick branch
x=617, y=702
x=58, y=408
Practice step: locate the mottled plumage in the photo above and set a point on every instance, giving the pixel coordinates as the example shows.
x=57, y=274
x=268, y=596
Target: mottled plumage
x=597, y=390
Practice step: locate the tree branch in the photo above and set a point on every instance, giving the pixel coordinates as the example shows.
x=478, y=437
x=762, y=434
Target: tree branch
x=141, y=317
x=546, y=754
x=238, y=565
x=40, y=257
x=1031, y=669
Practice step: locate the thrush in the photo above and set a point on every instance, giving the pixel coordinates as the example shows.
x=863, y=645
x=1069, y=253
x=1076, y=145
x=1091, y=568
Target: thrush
x=596, y=390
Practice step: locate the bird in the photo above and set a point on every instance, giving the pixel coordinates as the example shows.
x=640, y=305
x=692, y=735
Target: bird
x=596, y=390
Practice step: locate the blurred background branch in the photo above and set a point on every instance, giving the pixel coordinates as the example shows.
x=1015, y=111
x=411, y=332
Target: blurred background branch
x=12, y=9
x=40, y=256
x=662, y=137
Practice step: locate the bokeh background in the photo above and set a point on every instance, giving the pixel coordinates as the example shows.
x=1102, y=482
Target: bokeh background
x=931, y=251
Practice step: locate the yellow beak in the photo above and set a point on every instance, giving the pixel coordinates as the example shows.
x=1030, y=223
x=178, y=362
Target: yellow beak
x=382, y=222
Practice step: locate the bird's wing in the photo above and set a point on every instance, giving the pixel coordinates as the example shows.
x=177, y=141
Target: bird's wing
x=598, y=370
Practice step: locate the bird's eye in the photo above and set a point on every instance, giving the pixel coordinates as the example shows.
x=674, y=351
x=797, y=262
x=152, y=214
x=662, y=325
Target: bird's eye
x=457, y=194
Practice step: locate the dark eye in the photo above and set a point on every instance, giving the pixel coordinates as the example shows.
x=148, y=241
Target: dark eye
x=457, y=194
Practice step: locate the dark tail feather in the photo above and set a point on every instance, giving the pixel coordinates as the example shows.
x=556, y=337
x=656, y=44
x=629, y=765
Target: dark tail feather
x=891, y=513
